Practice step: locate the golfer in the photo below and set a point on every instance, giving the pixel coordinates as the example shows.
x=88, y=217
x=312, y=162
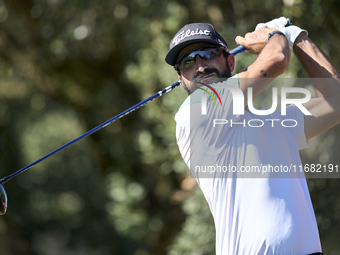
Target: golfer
x=263, y=215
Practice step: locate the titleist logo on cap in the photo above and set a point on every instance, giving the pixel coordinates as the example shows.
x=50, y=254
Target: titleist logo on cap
x=184, y=34
x=191, y=34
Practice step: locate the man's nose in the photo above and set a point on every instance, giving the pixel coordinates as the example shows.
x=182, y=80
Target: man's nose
x=200, y=64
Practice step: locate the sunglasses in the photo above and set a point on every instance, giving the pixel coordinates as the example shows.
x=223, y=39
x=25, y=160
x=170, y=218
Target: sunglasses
x=188, y=60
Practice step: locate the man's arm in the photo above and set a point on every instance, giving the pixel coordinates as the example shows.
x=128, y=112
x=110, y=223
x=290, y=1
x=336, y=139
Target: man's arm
x=273, y=58
x=325, y=109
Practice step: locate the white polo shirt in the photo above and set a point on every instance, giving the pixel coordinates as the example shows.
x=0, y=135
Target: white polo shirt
x=264, y=212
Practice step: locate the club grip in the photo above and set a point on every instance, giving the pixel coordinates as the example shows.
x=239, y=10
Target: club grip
x=237, y=50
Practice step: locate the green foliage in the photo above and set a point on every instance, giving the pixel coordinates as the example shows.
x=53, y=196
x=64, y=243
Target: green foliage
x=67, y=66
x=198, y=234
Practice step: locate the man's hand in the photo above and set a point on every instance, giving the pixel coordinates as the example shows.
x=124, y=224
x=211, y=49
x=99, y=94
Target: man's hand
x=292, y=32
x=255, y=41
x=285, y=26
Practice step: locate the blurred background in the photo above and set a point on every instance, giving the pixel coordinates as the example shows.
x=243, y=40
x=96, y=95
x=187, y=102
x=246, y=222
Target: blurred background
x=68, y=65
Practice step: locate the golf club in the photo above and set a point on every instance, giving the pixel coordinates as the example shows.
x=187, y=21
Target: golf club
x=3, y=194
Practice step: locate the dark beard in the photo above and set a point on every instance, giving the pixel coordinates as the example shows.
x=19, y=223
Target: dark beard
x=206, y=72
x=196, y=82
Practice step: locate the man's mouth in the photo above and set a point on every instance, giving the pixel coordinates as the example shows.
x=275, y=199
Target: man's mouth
x=205, y=77
x=208, y=76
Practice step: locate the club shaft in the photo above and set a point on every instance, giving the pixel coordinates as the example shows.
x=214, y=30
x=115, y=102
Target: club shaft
x=106, y=123
x=235, y=51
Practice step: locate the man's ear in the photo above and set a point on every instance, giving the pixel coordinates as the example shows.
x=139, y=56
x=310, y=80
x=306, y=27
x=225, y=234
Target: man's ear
x=180, y=78
x=231, y=62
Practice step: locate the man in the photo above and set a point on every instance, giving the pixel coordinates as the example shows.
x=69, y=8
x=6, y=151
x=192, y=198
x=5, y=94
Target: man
x=264, y=215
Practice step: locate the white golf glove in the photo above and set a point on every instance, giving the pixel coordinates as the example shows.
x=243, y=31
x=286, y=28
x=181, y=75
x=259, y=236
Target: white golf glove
x=275, y=23
x=291, y=32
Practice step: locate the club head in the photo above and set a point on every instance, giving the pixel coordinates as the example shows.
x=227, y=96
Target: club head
x=3, y=198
